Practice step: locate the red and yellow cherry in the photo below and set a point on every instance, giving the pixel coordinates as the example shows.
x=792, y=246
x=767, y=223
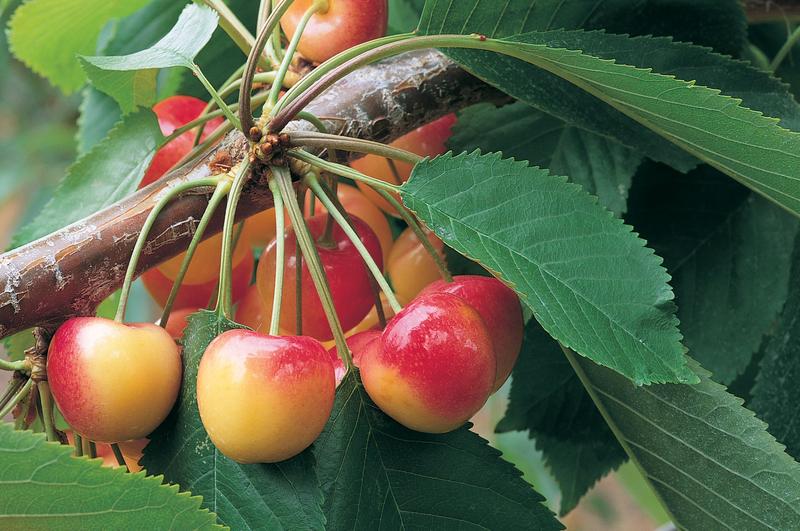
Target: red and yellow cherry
x=112, y=381
x=260, y=228
x=499, y=308
x=346, y=23
x=356, y=204
x=252, y=313
x=178, y=320
x=357, y=343
x=410, y=265
x=434, y=366
x=348, y=278
x=204, y=267
x=264, y=399
x=131, y=452
x=172, y=113
x=426, y=141
x=198, y=295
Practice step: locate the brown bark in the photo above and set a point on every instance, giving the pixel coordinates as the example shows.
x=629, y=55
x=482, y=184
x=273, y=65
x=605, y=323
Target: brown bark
x=71, y=271
x=772, y=10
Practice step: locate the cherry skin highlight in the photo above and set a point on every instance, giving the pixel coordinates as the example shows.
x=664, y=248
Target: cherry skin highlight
x=172, y=113
x=410, y=265
x=264, y=399
x=345, y=24
x=113, y=382
x=434, y=366
x=500, y=309
x=426, y=141
x=347, y=274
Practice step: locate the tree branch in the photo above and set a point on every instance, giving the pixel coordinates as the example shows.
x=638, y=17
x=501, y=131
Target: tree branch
x=71, y=271
x=772, y=10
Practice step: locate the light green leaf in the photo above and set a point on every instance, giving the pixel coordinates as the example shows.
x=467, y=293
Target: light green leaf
x=377, y=474
x=590, y=281
x=283, y=495
x=131, y=79
x=48, y=35
x=711, y=461
x=43, y=487
x=109, y=172
x=602, y=166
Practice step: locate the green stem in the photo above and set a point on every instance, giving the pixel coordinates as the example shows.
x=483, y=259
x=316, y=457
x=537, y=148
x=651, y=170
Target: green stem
x=170, y=194
x=210, y=140
x=46, y=398
x=21, y=365
x=275, y=42
x=11, y=391
x=16, y=399
x=313, y=183
x=224, y=302
x=313, y=120
x=221, y=190
x=345, y=143
x=119, y=456
x=216, y=97
x=341, y=170
x=298, y=280
x=92, y=450
x=226, y=89
x=280, y=230
x=245, y=109
x=785, y=49
x=332, y=63
x=78, y=443
x=238, y=33
x=421, y=236
x=315, y=7
x=311, y=255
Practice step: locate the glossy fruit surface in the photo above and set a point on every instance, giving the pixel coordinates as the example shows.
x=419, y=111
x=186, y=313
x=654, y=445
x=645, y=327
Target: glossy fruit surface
x=347, y=275
x=251, y=312
x=358, y=344
x=178, y=320
x=345, y=24
x=113, y=382
x=204, y=267
x=499, y=308
x=410, y=266
x=264, y=399
x=198, y=295
x=434, y=366
x=172, y=113
x=426, y=141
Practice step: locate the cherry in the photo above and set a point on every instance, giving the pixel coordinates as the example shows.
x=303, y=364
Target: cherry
x=172, y=113
x=177, y=322
x=198, y=295
x=264, y=399
x=434, y=366
x=345, y=24
x=204, y=267
x=426, y=141
x=346, y=272
x=500, y=309
x=357, y=343
x=113, y=381
x=131, y=452
x=410, y=266
x=371, y=320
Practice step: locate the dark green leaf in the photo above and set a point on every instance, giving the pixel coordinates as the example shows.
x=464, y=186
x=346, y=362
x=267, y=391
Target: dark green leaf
x=404, y=15
x=279, y=496
x=590, y=281
x=109, y=172
x=603, y=167
x=378, y=475
x=99, y=114
x=729, y=254
x=43, y=487
x=131, y=79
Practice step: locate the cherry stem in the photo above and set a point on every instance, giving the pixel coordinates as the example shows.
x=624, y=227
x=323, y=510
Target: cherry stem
x=264, y=34
x=92, y=449
x=315, y=268
x=238, y=33
x=421, y=236
x=280, y=251
x=313, y=183
x=298, y=280
x=341, y=170
x=202, y=148
x=16, y=399
x=78, y=443
x=221, y=190
x=46, y=399
x=313, y=120
x=346, y=143
x=21, y=365
x=216, y=97
x=224, y=302
x=120, y=458
x=785, y=49
x=11, y=390
x=168, y=196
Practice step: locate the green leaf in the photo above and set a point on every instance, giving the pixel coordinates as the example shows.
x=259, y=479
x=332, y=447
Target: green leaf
x=590, y=281
x=284, y=495
x=48, y=35
x=43, y=487
x=404, y=15
x=776, y=393
x=98, y=115
x=603, y=167
x=131, y=79
x=711, y=461
x=109, y=172
x=378, y=475
x=729, y=253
